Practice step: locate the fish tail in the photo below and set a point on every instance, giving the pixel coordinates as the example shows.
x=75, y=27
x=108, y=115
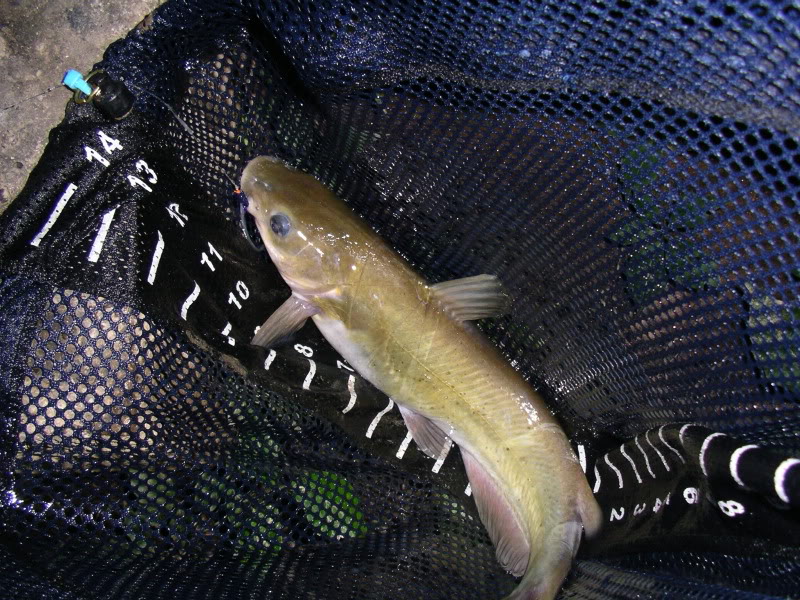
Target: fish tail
x=548, y=567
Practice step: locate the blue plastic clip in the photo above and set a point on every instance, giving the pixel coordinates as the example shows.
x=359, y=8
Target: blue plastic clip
x=75, y=81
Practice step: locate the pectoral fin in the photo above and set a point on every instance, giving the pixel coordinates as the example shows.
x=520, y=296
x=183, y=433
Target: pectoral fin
x=472, y=298
x=428, y=436
x=511, y=545
x=290, y=316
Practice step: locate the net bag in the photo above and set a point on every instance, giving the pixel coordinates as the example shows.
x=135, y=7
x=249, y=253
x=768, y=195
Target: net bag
x=628, y=170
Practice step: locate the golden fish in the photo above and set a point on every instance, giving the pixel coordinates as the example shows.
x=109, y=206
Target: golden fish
x=410, y=339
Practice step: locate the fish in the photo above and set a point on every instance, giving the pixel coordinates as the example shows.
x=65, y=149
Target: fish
x=414, y=341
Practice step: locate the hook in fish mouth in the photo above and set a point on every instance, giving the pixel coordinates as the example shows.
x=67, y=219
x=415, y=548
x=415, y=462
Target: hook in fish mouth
x=246, y=220
x=244, y=201
x=248, y=223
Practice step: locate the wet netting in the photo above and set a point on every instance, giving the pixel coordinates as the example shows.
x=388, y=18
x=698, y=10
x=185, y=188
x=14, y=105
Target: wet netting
x=629, y=170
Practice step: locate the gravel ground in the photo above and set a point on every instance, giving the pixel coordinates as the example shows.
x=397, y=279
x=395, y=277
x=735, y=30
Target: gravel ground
x=39, y=40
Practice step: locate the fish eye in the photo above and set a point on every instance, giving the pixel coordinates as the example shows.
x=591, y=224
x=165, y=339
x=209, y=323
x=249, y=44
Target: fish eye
x=280, y=224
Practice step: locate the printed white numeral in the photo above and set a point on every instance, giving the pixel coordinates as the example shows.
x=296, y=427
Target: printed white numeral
x=268, y=361
x=617, y=516
x=341, y=365
x=214, y=251
x=690, y=495
x=731, y=508
x=205, y=260
x=304, y=350
x=92, y=154
x=243, y=292
x=109, y=144
x=659, y=503
x=143, y=166
x=174, y=211
x=134, y=181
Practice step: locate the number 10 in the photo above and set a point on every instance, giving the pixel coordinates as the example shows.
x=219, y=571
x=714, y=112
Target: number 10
x=243, y=292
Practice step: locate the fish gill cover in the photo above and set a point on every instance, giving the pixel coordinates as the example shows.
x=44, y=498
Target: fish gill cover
x=628, y=170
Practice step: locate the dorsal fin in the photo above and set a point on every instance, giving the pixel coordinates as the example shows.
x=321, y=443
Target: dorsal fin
x=472, y=298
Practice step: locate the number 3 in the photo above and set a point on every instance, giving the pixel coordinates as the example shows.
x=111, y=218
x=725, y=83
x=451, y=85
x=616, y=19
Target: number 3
x=151, y=175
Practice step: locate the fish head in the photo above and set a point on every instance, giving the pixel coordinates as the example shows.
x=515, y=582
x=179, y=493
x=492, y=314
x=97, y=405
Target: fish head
x=312, y=237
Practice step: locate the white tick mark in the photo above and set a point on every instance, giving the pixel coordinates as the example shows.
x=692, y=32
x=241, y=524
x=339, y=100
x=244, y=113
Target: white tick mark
x=404, y=446
x=633, y=464
x=734, y=464
x=378, y=417
x=661, y=456
x=616, y=470
x=442, y=455
x=703, y=449
x=780, y=477
x=351, y=387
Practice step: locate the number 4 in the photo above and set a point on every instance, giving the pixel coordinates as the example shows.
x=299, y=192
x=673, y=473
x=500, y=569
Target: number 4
x=109, y=144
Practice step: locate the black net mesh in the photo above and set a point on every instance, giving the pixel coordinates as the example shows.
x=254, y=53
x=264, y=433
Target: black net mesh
x=629, y=171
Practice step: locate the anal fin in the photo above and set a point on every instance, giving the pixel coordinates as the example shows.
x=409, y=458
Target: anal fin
x=511, y=545
x=472, y=298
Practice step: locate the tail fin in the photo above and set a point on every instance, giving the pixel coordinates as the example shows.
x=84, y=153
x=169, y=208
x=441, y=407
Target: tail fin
x=548, y=567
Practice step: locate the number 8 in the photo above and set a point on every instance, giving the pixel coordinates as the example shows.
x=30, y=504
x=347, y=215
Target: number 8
x=304, y=350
